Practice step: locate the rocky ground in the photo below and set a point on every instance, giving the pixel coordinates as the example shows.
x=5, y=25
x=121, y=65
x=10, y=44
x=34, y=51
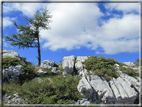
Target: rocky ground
x=93, y=88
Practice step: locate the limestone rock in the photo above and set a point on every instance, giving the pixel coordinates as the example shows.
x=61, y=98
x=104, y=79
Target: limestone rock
x=123, y=91
x=78, y=64
x=117, y=66
x=12, y=72
x=84, y=88
x=47, y=64
x=82, y=72
x=130, y=64
x=102, y=88
x=10, y=53
x=68, y=64
x=131, y=80
x=15, y=100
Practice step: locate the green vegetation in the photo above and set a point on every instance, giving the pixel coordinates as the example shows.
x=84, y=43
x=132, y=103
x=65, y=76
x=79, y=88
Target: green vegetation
x=57, y=90
x=129, y=71
x=28, y=36
x=101, y=66
x=7, y=61
x=29, y=72
x=105, y=67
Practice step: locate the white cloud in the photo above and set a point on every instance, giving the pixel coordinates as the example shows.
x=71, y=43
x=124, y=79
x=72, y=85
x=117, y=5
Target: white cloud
x=27, y=9
x=125, y=7
x=7, y=21
x=76, y=25
x=69, y=21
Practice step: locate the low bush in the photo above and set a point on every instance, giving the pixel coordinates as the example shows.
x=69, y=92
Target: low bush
x=28, y=73
x=60, y=91
x=8, y=61
x=101, y=66
x=129, y=71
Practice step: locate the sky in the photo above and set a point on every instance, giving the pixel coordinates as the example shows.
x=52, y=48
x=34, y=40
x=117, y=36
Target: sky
x=111, y=30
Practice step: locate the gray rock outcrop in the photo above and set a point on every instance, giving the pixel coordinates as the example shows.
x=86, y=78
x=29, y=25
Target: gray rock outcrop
x=103, y=91
x=48, y=64
x=129, y=64
x=12, y=72
x=84, y=88
x=11, y=53
x=124, y=93
x=79, y=66
x=68, y=65
x=15, y=100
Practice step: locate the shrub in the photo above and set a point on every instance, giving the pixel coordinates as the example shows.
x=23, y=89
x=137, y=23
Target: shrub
x=101, y=66
x=60, y=91
x=28, y=73
x=129, y=71
x=7, y=61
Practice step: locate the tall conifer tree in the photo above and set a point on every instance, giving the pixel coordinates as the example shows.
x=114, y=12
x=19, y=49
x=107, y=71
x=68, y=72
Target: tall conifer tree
x=28, y=36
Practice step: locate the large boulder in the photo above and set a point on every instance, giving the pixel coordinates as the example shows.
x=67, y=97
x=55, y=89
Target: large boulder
x=48, y=64
x=12, y=72
x=131, y=80
x=84, y=88
x=68, y=65
x=78, y=64
x=102, y=88
x=129, y=64
x=124, y=93
x=10, y=53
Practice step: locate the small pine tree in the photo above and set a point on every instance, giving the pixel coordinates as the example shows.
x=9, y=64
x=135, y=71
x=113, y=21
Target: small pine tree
x=28, y=36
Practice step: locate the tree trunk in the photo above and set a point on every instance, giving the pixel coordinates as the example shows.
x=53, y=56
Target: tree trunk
x=39, y=56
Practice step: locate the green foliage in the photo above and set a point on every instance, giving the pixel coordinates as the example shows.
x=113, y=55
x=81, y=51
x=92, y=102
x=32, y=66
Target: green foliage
x=28, y=73
x=129, y=71
x=60, y=91
x=101, y=66
x=7, y=61
x=28, y=35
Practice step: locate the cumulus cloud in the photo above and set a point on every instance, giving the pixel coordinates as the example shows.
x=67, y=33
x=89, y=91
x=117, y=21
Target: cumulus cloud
x=27, y=9
x=71, y=23
x=125, y=7
x=7, y=21
x=76, y=25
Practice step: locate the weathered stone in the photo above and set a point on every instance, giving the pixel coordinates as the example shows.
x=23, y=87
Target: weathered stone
x=12, y=72
x=10, y=53
x=84, y=88
x=78, y=64
x=123, y=91
x=47, y=64
x=68, y=64
x=82, y=72
x=131, y=80
x=102, y=88
x=130, y=64
x=117, y=66
x=81, y=58
x=40, y=71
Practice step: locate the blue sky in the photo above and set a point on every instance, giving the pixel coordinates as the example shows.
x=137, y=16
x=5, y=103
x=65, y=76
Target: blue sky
x=111, y=30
